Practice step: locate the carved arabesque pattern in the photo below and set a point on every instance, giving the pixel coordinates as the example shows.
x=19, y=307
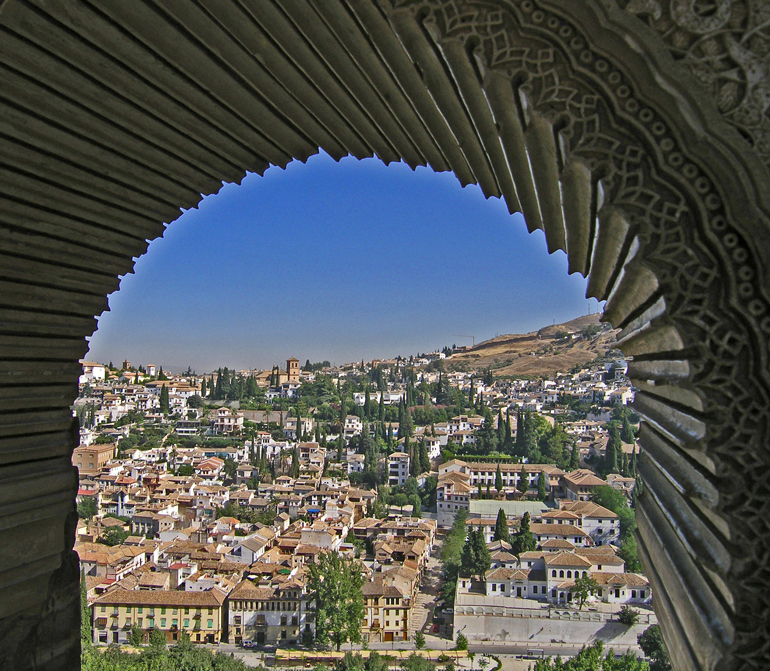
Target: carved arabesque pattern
x=726, y=45
x=708, y=270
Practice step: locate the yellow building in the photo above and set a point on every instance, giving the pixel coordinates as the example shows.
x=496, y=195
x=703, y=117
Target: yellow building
x=199, y=614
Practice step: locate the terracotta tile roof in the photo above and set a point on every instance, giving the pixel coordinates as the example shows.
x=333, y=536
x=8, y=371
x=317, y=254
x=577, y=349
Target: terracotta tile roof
x=588, y=509
x=619, y=579
x=210, y=599
x=568, y=559
x=557, y=530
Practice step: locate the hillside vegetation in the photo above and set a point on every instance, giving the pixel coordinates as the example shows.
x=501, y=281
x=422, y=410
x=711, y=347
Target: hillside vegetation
x=552, y=349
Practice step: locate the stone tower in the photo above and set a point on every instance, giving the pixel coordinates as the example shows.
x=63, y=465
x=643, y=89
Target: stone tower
x=292, y=369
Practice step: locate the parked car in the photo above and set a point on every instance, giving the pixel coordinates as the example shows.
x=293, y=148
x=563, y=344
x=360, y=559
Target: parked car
x=249, y=645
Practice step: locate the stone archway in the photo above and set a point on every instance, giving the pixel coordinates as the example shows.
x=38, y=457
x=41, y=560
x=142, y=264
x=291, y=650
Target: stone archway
x=633, y=132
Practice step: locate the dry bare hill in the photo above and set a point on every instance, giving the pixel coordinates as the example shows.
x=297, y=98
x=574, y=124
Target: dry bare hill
x=542, y=352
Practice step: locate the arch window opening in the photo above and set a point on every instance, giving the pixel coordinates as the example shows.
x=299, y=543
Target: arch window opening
x=614, y=127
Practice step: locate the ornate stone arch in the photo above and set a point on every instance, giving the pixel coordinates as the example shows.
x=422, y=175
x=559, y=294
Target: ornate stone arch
x=633, y=132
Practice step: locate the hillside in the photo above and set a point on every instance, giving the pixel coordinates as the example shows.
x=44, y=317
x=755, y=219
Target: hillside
x=542, y=352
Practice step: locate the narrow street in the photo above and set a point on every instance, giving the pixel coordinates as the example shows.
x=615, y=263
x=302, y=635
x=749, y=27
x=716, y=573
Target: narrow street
x=422, y=615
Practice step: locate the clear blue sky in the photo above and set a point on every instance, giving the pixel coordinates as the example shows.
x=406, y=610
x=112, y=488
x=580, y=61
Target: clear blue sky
x=338, y=261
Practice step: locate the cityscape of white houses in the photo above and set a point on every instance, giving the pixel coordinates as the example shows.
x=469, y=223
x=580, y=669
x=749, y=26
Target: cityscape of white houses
x=204, y=515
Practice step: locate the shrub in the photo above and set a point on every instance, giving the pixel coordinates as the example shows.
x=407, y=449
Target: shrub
x=628, y=616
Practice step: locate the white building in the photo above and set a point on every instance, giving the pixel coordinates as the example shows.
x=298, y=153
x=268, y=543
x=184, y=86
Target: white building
x=398, y=468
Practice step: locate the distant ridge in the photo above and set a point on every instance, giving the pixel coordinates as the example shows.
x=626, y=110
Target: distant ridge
x=551, y=349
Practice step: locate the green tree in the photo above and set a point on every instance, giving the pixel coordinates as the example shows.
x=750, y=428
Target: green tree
x=230, y=468
x=628, y=616
x=85, y=611
x=584, y=587
x=461, y=642
x=424, y=458
x=165, y=407
x=612, y=453
x=486, y=436
x=523, y=484
x=574, y=459
x=652, y=644
x=451, y=556
x=501, y=527
x=524, y=540
x=475, y=558
x=114, y=536
x=591, y=659
x=498, y=479
x=617, y=502
x=157, y=638
x=136, y=637
x=542, y=493
x=419, y=640
x=87, y=507
x=416, y=662
x=335, y=584
x=627, y=433
x=629, y=553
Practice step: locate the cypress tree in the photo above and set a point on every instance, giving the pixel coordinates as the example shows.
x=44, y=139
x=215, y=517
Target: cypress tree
x=530, y=435
x=508, y=439
x=574, y=459
x=520, y=433
x=524, y=541
x=612, y=452
x=483, y=561
x=405, y=429
x=624, y=465
x=468, y=560
x=501, y=527
x=499, y=479
x=633, y=463
x=85, y=611
x=627, y=434
x=542, y=494
x=164, y=402
x=424, y=458
x=523, y=485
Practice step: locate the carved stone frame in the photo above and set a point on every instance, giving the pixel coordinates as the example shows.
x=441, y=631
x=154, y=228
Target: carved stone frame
x=602, y=121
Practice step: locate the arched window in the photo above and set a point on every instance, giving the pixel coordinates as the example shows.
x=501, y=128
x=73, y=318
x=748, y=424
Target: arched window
x=561, y=574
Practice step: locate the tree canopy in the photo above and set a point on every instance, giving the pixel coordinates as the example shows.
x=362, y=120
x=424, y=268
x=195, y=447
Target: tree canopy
x=591, y=659
x=501, y=527
x=335, y=583
x=651, y=642
x=181, y=657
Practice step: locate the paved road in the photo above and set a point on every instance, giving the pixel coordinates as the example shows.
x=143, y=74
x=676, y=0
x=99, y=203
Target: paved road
x=422, y=615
